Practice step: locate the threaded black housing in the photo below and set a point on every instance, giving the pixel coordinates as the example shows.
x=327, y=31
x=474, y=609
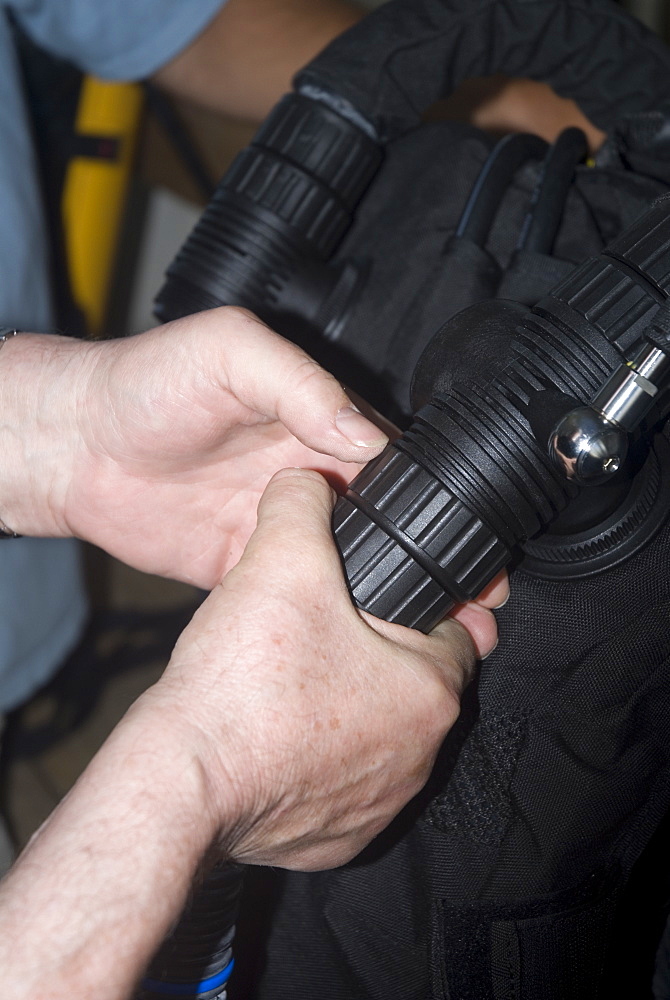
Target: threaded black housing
x=282, y=207
x=438, y=514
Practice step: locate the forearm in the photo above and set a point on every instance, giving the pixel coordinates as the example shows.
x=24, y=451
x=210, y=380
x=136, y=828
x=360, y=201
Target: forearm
x=527, y=106
x=93, y=895
x=244, y=61
x=286, y=730
x=42, y=396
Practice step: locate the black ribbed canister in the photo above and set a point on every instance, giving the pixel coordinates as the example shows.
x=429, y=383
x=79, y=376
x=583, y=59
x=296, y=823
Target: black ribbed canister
x=285, y=203
x=439, y=513
x=411, y=548
x=432, y=520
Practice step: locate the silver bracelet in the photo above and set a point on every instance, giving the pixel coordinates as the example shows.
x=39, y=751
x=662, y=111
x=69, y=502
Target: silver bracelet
x=6, y=333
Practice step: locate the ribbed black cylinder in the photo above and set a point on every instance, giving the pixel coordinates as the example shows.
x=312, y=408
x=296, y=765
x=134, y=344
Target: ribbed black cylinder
x=324, y=144
x=199, y=949
x=304, y=206
x=411, y=548
x=286, y=202
x=238, y=254
x=431, y=521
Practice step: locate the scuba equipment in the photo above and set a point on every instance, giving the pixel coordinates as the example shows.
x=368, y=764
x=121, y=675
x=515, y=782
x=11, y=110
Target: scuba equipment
x=502, y=878
x=432, y=520
x=196, y=960
x=557, y=350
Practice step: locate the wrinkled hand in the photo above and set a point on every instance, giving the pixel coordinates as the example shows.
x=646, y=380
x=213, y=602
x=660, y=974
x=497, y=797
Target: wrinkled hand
x=158, y=447
x=318, y=721
x=204, y=411
x=288, y=729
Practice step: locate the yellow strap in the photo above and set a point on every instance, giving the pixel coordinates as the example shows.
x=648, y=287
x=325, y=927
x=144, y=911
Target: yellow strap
x=95, y=191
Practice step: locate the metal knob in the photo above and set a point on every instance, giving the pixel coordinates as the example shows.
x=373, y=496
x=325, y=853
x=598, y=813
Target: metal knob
x=588, y=447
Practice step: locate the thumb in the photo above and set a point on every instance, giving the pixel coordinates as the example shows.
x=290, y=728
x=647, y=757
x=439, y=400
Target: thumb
x=294, y=526
x=278, y=380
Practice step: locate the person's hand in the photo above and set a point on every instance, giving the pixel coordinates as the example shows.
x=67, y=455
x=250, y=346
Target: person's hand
x=158, y=447
x=318, y=721
x=499, y=104
x=288, y=729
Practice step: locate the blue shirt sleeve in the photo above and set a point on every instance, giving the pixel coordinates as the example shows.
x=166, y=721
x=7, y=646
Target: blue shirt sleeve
x=115, y=39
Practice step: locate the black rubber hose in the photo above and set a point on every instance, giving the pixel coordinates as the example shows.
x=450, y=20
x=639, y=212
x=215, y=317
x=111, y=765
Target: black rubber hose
x=196, y=960
x=493, y=181
x=544, y=219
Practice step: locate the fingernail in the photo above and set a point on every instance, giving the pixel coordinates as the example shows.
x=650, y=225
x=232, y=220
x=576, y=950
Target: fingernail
x=492, y=650
x=502, y=603
x=358, y=429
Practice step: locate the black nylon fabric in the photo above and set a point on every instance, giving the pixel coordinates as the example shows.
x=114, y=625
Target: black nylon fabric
x=409, y=53
x=550, y=952
x=500, y=881
x=421, y=273
x=553, y=794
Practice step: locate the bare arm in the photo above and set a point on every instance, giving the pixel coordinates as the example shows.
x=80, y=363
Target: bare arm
x=288, y=729
x=245, y=59
x=500, y=105
x=95, y=892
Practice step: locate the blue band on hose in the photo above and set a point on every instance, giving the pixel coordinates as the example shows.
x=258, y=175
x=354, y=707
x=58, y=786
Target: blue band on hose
x=189, y=989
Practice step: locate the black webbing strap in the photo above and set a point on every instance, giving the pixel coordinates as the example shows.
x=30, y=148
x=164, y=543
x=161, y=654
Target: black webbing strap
x=553, y=948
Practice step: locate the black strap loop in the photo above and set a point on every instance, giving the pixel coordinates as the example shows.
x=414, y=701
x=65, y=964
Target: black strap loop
x=409, y=53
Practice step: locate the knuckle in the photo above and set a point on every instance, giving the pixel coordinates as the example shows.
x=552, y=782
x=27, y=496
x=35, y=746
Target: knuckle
x=308, y=374
x=441, y=706
x=241, y=313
